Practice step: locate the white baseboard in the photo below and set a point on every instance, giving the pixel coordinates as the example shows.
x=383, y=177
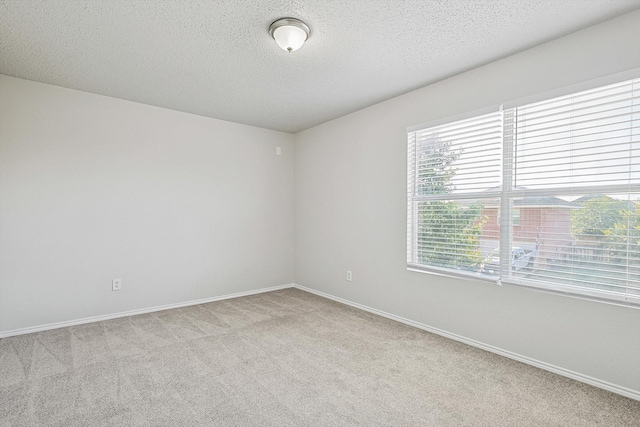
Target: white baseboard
x=32, y=329
x=624, y=391
x=633, y=394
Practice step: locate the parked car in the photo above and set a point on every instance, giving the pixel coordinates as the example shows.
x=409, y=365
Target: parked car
x=520, y=258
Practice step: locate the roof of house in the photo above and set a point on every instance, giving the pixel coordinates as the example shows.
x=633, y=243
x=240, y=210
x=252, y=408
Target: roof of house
x=535, y=201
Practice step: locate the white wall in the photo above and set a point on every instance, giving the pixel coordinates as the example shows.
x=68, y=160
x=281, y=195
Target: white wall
x=181, y=207
x=350, y=201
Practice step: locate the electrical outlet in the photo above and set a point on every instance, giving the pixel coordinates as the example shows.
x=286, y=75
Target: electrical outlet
x=116, y=284
x=349, y=276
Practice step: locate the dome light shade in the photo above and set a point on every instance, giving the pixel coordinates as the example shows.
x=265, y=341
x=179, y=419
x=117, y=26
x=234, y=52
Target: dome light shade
x=289, y=33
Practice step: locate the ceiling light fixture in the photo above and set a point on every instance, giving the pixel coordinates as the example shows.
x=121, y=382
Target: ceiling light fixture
x=289, y=33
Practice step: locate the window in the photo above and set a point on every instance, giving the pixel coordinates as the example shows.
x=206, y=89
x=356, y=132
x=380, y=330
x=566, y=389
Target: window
x=566, y=172
x=515, y=215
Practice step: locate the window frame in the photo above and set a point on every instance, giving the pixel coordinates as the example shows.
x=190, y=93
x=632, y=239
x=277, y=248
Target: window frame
x=506, y=195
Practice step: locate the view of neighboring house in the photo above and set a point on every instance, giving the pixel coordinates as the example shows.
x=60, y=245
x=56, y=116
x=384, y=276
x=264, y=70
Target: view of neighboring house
x=543, y=225
x=540, y=224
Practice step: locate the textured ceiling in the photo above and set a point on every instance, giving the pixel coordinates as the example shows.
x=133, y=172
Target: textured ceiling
x=216, y=58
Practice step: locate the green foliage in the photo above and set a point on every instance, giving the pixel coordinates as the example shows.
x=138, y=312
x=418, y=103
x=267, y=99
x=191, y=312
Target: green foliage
x=624, y=238
x=597, y=218
x=613, y=223
x=448, y=231
x=452, y=232
x=435, y=166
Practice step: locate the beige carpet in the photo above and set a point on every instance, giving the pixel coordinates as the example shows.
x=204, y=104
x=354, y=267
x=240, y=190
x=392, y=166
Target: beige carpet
x=285, y=358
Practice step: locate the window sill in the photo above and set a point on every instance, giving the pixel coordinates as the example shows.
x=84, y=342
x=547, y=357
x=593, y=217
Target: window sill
x=511, y=284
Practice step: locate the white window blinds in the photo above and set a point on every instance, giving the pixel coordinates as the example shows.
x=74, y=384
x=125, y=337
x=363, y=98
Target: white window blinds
x=453, y=170
x=544, y=195
x=580, y=141
x=576, y=164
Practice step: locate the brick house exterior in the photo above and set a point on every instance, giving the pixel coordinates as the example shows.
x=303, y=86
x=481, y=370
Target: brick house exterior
x=541, y=224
